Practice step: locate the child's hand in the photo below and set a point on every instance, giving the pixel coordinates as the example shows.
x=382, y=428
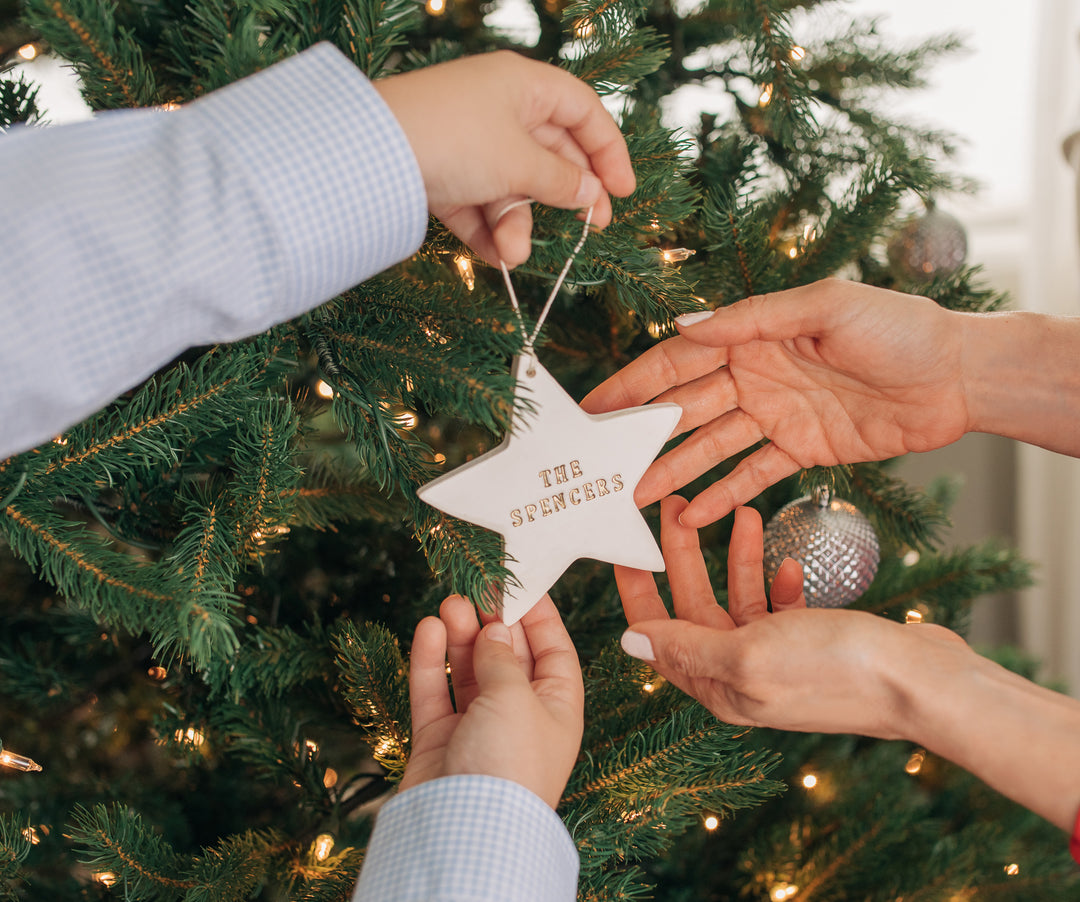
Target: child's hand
x=518, y=694
x=491, y=129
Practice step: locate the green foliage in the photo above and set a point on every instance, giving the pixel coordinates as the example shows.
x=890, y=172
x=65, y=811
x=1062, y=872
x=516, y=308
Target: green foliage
x=209, y=586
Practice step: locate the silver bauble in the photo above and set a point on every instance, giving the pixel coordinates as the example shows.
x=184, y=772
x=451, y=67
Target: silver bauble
x=835, y=544
x=928, y=246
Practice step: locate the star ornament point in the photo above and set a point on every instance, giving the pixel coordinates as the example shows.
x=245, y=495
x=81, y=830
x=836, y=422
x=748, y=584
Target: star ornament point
x=560, y=486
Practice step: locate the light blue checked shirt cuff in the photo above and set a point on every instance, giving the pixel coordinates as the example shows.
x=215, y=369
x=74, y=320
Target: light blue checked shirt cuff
x=468, y=839
x=141, y=233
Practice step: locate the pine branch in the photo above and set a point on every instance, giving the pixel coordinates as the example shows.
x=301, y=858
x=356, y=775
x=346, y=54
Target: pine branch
x=106, y=56
x=376, y=685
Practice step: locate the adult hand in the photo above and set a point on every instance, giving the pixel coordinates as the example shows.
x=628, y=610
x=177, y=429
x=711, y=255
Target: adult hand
x=795, y=669
x=518, y=695
x=491, y=129
x=830, y=373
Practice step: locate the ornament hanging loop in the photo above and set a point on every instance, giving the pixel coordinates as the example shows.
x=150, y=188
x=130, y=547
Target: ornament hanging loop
x=530, y=339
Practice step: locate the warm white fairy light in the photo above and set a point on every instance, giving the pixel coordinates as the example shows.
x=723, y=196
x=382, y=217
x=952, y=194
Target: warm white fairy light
x=440, y=458
x=913, y=616
x=915, y=762
x=329, y=779
x=810, y=781
x=31, y=836
x=407, y=419
x=910, y=558
x=647, y=687
x=324, y=390
x=435, y=7
x=1012, y=869
x=105, y=878
x=676, y=254
x=782, y=891
x=798, y=54
x=384, y=747
x=190, y=736
x=28, y=52
x=60, y=440
x=323, y=846
x=18, y=762
x=312, y=747
x=157, y=672
x=584, y=29
x=465, y=270
x=766, y=96
x=711, y=822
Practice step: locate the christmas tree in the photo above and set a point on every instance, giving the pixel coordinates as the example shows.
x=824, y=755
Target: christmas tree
x=210, y=586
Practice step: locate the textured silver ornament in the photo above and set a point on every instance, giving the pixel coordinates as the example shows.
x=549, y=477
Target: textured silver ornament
x=931, y=245
x=835, y=544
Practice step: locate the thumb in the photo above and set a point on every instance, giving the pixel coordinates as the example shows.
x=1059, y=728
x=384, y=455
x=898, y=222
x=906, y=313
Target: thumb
x=678, y=647
x=494, y=662
x=553, y=180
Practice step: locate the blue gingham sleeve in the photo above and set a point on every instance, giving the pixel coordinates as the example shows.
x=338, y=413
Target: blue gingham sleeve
x=468, y=839
x=141, y=233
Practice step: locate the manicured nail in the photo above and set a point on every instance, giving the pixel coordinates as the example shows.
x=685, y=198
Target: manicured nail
x=688, y=319
x=637, y=645
x=497, y=632
x=589, y=189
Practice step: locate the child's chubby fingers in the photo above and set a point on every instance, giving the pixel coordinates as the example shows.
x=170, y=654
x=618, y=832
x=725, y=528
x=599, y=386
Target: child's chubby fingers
x=556, y=670
x=429, y=694
x=459, y=619
x=518, y=640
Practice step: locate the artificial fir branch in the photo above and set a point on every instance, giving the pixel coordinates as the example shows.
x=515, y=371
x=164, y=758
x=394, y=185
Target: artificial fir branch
x=375, y=684
x=109, y=61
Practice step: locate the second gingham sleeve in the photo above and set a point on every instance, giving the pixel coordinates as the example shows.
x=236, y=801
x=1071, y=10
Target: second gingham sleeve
x=468, y=839
x=141, y=233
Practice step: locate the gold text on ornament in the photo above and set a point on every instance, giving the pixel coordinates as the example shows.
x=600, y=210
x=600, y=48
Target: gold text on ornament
x=571, y=497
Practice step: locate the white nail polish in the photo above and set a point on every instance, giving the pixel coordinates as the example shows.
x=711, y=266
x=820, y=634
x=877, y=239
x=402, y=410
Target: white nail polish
x=637, y=645
x=688, y=319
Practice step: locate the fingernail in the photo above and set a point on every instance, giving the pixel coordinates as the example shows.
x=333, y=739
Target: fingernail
x=688, y=319
x=637, y=645
x=497, y=632
x=589, y=189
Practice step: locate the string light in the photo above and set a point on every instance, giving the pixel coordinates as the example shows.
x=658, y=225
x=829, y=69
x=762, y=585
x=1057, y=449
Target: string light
x=105, y=878
x=584, y=28
x=798, y=54
x=28, y=52
x=809, y=781
x=312, y=747
x=915, y=762
x=157, y=673
x=648, y=687
x=676, y=254
x=329, y=779
x=782, y=891
x=31, y=836
x=435, y=7
x=1012, y=869
x=170, y=107
x=440, y=458
x=407, y=419
x=323, y=846
x=465, y=269
x=913, y=616
x=190, y=736
x=18, y=762
x=766, y=96
x=324, y=390
x=911, y=558
x=711, y=822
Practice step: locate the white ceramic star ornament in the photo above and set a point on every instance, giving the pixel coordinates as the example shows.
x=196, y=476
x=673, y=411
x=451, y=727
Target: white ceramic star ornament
x=560, y=486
